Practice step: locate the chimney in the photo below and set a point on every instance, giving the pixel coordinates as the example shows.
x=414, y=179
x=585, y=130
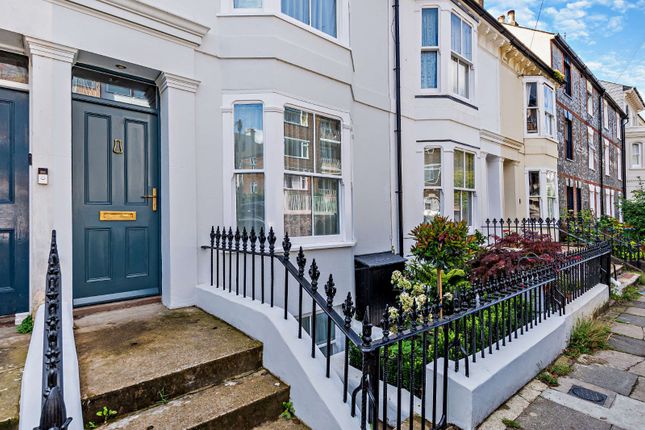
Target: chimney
x=502, y=19
x=481, y=3
x=511, y=17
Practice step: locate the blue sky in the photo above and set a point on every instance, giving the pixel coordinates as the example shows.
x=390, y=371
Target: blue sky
x=609, y=35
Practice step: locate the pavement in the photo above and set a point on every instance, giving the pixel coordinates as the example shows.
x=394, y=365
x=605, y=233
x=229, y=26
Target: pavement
x=604, y=391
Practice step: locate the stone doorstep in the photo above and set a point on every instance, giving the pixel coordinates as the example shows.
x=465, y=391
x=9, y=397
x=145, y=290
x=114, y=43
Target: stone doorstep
x=129, y=363
x=241, y=403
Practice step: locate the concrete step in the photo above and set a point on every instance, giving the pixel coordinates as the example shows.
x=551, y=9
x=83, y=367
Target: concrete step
x=282, y=424
x=241, y=404
x=131, y=359
x=13, y=353
x=628, y=278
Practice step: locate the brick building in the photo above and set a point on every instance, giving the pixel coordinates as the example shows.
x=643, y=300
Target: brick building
x=591, y=173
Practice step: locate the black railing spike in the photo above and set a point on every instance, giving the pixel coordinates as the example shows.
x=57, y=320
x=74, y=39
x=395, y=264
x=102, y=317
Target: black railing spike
x=348, y=310
x=413, y=314
x=314, y=274
x=237, y=238
x=385, y=323
x=230, y=238
x=286, y=245
x=302, y=262
x=330, y=291
x=366, y=336
x=218, y=236
x=245, y=238
x=261, y=238
x=213, y=235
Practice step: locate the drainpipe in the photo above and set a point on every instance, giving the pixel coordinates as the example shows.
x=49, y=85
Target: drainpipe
x=623, y=144
x=397, y=70
x=602, y=154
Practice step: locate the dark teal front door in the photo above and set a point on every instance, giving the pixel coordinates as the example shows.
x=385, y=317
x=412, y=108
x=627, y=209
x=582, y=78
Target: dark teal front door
x=14, y=202
x=116, y=220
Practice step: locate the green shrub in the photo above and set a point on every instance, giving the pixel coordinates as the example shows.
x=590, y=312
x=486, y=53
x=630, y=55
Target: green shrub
x=634, y=211
x=588, y=336
x=26, y=326
x=548, y=379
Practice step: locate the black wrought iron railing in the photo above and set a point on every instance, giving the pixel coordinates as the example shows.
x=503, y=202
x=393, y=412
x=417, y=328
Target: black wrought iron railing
x=54, y=413
x=418, y=342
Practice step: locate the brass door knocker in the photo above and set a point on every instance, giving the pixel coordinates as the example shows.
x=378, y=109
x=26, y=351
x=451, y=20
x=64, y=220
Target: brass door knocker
x=117, y=147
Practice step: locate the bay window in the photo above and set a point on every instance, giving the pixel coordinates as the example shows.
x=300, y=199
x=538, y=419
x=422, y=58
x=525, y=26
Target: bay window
x=539, y=103
x=320, y=14
x=312, y=163
x=249, y=165
x=542, y=201
x=432, y=184
x=462, y=55
x=464, y=171
x=429, y=47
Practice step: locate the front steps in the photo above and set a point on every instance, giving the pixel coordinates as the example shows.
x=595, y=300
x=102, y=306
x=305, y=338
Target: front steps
x=173, y=369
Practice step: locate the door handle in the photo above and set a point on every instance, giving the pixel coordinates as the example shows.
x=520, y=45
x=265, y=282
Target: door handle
x=152, y=196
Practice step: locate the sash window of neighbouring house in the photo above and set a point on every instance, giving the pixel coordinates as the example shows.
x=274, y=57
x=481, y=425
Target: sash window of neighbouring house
x=461, y=41
x=568, y=138
x=607, y=166
x=249, y=165
x=320, y=14
x=532, y=109
x=432, y=184
x=429, y=47
x=568, y=84
x=549, y=111
x=592, y=148
x=464, y=171
x=589, y=98
x=637, y=150
x=312, y=163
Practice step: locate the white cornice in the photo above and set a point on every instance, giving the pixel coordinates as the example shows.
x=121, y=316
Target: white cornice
x=169, y=80
x=142, y=16
x=44, y=48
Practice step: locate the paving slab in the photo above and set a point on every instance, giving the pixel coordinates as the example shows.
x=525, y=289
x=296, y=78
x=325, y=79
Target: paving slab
x=638, y=369
x=610, y=378
x=615, y=359
x=634, y=310
x=636, y=305
x=631, y=319
x=629, y=330
x=545, y=414
x=627, y=344
x=639, y=391
x=509, y=410
x=532, y=390
x=13, y=353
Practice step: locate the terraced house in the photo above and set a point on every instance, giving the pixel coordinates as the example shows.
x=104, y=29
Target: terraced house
x=207, y=166
x=591, y=169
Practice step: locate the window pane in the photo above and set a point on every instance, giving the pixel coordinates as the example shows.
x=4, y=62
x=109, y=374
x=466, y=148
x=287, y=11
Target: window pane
x=298, y=136
x=108, y=87
x=531, y=94
x=548, y=99
x=249, y=200
x=470, y=171
x=534, y=184
x=249, y=136
x=463, y=206
x=298, y=9
x=531, y=120
x=14, y=67
x=430, y=27
x=297, y=205
x=326, y=206
x=429, y=69
x=328, y=150
x=455, y=39
x=323, y=16
x=432, y=204
x=467, y=41
x=464, y=79
x=550, y=184
x=433, y=167
x=247, y=3
x=459, y=169
x=455, y=76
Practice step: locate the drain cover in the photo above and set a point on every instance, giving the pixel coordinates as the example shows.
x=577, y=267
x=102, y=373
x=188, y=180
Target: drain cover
x=589, y=395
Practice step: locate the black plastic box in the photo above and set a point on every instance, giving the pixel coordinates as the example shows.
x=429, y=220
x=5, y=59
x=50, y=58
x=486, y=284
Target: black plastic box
x=373, y=274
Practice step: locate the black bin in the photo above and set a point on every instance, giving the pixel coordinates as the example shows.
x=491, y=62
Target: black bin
x=373, y=274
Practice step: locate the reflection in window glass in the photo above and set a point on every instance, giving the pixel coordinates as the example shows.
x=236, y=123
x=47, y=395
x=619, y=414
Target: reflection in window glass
x=14, y=68
x=312, y=145
x=531, y=108
x=249, y=136
x=551, y=194
x=115, y=88
x=464, y=164
x=321, y=14
x=534, y=195
x=239, y=4
x=249, y=200
x=432, y=184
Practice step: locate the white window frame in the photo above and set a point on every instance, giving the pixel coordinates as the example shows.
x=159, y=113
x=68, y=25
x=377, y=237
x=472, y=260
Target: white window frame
x=591, y=148
x=544, y=198
x=441, y=178
x=436, y=49
x=541, y=83
x=460, y=59
x=639, y=145
x=607, y=157
x=274, y=8
x=605, y=114
x=274, y=106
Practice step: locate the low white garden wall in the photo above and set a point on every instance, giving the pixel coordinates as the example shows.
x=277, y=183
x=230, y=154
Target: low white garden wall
x=318, y=400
